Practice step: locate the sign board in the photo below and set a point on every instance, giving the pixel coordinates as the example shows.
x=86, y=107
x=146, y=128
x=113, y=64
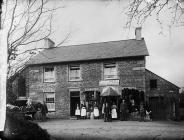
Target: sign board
x=109, y=83
x=138, y=68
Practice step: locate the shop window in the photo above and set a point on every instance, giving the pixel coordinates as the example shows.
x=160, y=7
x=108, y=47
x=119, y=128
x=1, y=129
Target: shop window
x=74, y=73
x=49, y=75
x=50, y=101
x=110, y=71
x=153, y=84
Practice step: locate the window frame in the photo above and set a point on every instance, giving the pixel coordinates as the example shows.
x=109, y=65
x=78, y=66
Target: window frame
x=69, y=72
x=116, y=69
x=53, y=110
x=155, y=84
x=54, y=78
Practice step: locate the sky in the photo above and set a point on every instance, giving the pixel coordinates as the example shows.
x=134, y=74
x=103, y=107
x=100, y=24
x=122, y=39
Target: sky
x=99, y=21
x=90, y=21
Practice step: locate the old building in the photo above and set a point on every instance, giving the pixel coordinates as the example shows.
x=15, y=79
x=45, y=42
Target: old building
x=163, y=96
x=71, y=75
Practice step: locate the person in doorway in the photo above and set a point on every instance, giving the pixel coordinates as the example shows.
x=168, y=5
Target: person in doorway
x=77, y=112
x=114, y=111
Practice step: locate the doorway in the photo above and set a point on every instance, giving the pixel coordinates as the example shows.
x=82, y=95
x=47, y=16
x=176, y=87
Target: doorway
x=74, y=100
x=157, y=108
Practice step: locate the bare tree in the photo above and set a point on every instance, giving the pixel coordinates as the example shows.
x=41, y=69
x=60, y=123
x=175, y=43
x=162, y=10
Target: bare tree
x=140, y=10
x=29, y=22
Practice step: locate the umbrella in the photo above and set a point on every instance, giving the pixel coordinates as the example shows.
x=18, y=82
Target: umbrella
x=110, y=91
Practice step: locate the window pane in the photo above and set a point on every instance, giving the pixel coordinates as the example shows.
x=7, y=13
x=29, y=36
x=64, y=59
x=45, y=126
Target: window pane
x=153, y=83
x=74, y=72
x=50, y=101
x=49, y=75
x=110, y=71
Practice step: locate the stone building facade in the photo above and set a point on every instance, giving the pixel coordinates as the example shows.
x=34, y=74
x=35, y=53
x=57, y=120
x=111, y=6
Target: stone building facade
x=129, y=75
x=163, y=96
x=66, y=76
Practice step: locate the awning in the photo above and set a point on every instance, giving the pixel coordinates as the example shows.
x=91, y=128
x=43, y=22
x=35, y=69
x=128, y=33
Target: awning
x=110, y=91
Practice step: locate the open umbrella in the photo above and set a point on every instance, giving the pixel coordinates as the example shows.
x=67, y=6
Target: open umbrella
x=110, y=91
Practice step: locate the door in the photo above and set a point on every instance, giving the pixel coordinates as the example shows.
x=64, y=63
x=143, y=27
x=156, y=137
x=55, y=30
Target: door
x=74, y=100
x=157, y=108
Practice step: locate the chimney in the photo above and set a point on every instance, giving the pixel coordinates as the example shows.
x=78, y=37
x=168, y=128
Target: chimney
x=138, y=33
x=49, y=43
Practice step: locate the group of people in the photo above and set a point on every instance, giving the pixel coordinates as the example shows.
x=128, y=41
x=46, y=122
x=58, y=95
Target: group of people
x=82, y=113
x=111, y=111
x=40, y=109
x=134, y=112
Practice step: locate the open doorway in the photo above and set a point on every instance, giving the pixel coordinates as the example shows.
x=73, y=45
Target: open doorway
x=74, y=100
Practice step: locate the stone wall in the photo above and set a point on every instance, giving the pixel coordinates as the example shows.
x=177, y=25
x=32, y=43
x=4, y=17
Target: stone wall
x=131, y=73
x=167, y=91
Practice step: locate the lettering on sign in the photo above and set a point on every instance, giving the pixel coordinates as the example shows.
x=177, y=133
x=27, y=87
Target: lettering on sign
x=109, y=83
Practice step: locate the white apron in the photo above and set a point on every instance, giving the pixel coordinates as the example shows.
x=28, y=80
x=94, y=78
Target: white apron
x=96, y=112
x=77, y=112
x=83, y=112
x=114, y=113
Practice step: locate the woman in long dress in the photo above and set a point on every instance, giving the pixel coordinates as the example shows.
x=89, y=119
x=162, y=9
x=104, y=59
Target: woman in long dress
x=77, y=112
x=83, y=112
x=96, y=112
x=114, y=112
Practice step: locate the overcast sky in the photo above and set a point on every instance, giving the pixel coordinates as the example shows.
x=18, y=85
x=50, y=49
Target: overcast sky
x=104, y=20
x=98, y=21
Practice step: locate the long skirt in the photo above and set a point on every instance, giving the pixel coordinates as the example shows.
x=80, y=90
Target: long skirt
x=83, y=112
x=77, y=112
x=114, y=113
x=96, y=112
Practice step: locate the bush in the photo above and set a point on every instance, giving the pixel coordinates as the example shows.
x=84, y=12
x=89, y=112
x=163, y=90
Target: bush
x=20, y=129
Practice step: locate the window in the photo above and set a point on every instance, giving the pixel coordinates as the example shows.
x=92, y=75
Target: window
x=49, y=74
x=110, y=71
x=50, y=101
x=153, y=84
x=74, y=73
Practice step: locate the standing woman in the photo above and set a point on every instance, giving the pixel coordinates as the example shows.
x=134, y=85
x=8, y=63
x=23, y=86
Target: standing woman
x=114, y=111
x=77, y=112
x=96, y=111
x=83, y=112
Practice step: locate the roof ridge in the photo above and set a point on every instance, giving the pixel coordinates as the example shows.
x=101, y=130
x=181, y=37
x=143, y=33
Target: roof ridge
x=96, y=43
x=163, y=78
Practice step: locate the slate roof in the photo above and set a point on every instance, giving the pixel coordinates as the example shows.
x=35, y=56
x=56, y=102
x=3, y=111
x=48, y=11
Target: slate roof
x=148, y=71
x=92, y=51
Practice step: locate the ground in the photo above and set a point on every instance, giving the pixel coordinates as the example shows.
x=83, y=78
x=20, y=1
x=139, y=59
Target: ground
x=97, y=129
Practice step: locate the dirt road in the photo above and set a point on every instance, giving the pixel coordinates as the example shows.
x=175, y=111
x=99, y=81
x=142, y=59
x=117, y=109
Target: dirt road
x=97, y=129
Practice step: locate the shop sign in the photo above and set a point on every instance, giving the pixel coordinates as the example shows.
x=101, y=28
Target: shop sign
x=109, y=83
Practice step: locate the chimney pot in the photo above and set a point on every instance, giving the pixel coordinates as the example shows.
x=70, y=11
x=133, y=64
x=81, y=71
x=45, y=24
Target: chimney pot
x=49, y=43
x=138, y=35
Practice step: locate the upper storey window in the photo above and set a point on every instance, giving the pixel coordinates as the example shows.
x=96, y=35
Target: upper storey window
x=153, y=83
x=74, y=73
x=110, y=71
x=49, y=75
